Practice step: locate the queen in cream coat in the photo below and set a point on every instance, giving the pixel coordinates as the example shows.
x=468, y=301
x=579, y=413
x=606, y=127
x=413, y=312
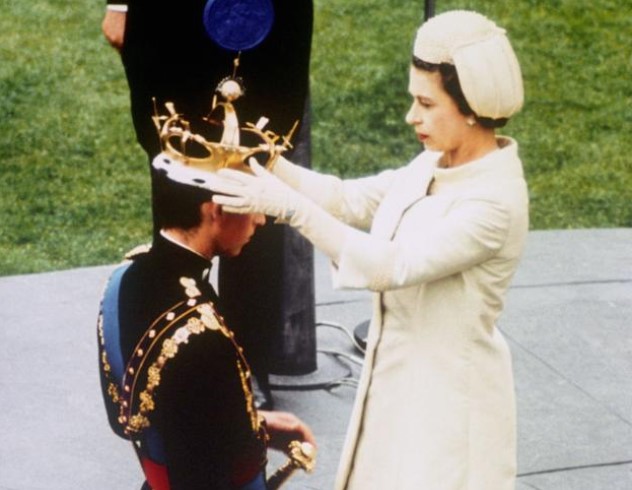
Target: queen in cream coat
x=438, y=241
x=435, y=406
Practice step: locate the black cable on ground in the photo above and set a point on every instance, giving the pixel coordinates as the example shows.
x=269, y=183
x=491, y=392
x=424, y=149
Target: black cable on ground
x=332, y=371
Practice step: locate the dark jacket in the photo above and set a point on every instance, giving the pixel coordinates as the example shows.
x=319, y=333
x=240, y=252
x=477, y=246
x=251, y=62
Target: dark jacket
x=203, y=414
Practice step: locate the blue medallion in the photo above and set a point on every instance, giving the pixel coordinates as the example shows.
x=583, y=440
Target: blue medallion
x=238, y=25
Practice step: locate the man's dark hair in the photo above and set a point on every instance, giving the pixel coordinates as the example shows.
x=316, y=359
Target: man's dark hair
x=177, y=205
x=452, y=85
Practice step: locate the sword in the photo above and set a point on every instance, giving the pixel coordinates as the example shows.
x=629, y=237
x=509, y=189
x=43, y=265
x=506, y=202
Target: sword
x=302, y=455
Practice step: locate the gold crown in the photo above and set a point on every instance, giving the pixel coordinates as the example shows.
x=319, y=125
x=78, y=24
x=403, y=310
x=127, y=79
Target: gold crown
x=177, y=138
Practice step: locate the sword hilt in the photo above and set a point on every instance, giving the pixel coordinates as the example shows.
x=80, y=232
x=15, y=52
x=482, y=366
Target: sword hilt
x=302, y=455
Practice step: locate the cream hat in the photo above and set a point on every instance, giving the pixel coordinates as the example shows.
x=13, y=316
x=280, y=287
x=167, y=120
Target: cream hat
x=488, y=70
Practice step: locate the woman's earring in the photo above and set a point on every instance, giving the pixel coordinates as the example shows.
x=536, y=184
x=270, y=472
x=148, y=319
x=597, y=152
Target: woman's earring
x=471, y=121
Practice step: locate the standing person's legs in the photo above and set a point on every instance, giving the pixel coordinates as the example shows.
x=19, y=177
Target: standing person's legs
x=268, y=295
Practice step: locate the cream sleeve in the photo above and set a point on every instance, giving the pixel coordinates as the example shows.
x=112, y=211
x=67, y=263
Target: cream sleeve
x=353, y=201
x=472, y=232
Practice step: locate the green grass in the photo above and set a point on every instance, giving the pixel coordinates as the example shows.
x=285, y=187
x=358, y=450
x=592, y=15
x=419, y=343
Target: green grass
x=74, y=184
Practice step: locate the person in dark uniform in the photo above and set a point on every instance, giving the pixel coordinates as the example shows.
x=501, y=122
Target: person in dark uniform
x=168, y=56
x=174, y=379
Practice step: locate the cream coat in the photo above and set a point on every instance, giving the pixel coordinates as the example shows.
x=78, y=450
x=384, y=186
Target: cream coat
x=435, y=407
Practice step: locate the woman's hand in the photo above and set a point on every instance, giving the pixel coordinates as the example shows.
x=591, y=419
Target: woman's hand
x=284, y=427
x=264, y=193
x=239, y=192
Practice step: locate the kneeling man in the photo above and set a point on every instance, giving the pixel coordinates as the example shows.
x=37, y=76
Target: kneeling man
x=174, y=380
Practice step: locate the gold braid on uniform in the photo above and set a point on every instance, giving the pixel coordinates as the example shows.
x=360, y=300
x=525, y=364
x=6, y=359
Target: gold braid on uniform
x=171, y=329
x=113, y=389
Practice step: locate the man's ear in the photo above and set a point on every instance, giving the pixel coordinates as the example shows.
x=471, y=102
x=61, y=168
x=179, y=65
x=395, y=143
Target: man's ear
x=212, y=211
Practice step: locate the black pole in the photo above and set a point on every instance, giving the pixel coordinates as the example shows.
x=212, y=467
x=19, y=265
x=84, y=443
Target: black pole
x=428, y=9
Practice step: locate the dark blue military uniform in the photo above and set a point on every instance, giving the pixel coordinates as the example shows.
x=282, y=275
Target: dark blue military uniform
x=181, y=390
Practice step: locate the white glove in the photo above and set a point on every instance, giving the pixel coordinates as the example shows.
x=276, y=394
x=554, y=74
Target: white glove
x=325, y=190
x=262, y=192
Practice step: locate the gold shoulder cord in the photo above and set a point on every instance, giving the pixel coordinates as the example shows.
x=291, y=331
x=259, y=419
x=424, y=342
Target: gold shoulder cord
x=174, y=333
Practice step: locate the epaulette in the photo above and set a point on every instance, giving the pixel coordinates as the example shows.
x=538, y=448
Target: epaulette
x=138, y=250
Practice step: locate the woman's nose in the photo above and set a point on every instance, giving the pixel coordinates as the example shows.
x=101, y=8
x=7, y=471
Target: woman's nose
x=412, y=116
